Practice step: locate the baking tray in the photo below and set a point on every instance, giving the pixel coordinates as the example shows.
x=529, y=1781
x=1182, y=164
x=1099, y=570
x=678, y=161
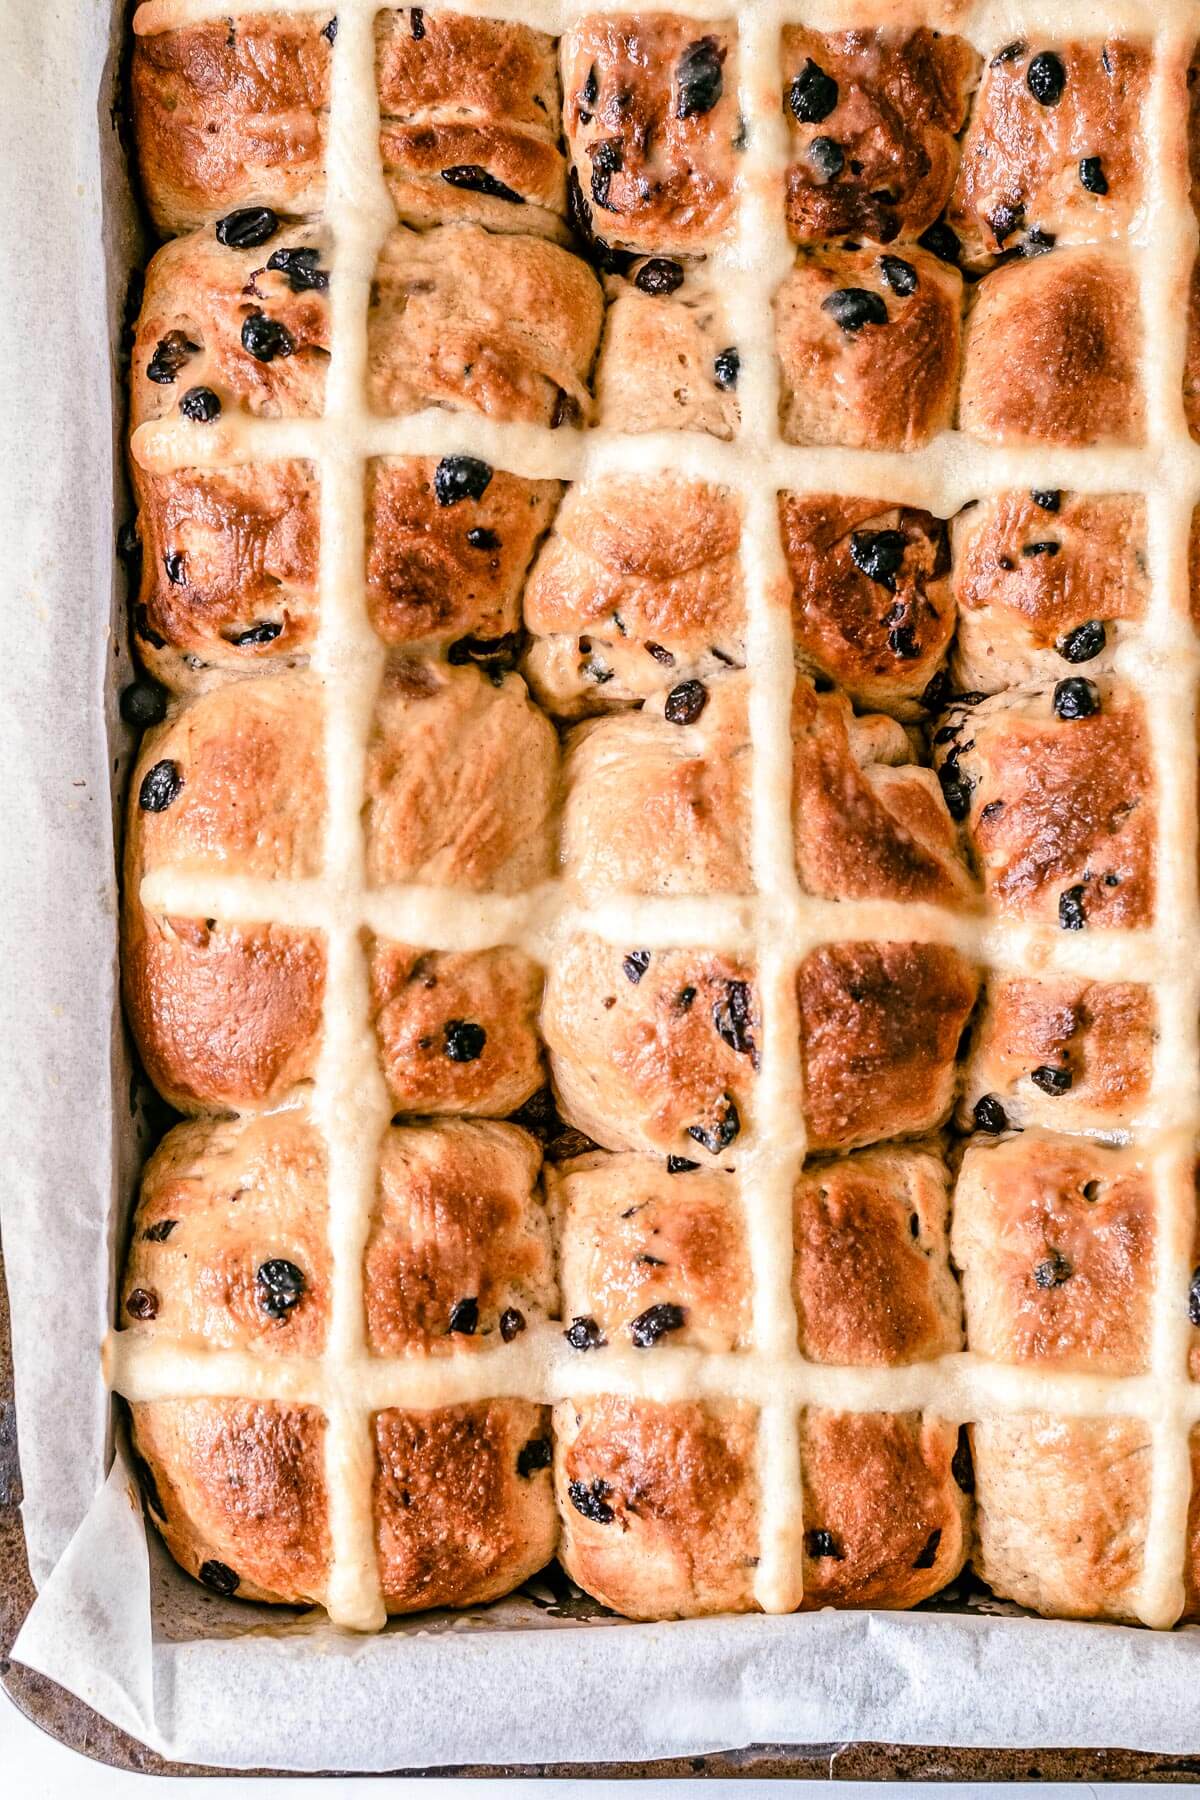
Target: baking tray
x=71, y=1722
x=74, y=1724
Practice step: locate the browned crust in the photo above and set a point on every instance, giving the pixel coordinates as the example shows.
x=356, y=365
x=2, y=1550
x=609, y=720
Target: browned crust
x=231, y=112
x=1020, y=159
x=220, y=1198
x=208, y=292
x=880, y=1026
x=1026, y=577
x=439, y=573
x=1191, y=372
x=1051, y=353
x=679, y=1482
x=1058, y=805
x=240, y=1483
x=1102, y=1035
x=673, y=188
x=880, y=641
x=224, y=1016
x=636, y=1063
x=458, y=1217
x=636, y=589
x=869, y=823
x=506, y=326
x=1055, y=1239
x=882, y=387
x=457, y=91
x=632, y=1235
x=902, y=99
x=880, y=1486
x=242, y=545
x=417, y=996
x=872, y=1280
x=456, y=1525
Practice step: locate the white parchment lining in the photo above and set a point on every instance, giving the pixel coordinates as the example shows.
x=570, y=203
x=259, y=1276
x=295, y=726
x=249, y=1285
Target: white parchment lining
x=198, y=1678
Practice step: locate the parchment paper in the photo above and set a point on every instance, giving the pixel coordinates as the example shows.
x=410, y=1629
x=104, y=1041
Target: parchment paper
x=199, y=1678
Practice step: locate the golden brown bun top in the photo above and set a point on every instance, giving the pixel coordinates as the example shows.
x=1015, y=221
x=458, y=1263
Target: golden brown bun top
x=460, y=782
x=872, y=1274
x=475, y=100
x=650, y=110
x=231, y=112
x=879, y=637
x=205, y=304
x=1054, y=1237
x=437, y=574
x=885, y=154
x=1066, y=1054
x=678, y=1535
x=1061, y=816
x=228, y=570
x=660, y=807
x=637, y=587
x=460, y=1236
x=1052, y=352
x=1031, y=569
x=655, y=1051
x=880, y=1027
x=633, y=1236
x=220, y=1200
x=868, y=345
x=886, y=1523
x=1068, y=166
x=238, y=1490
x=506, y=326
x=230, y=1247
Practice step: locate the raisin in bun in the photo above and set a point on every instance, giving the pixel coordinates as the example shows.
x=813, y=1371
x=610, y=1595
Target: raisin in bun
x=637, y=588
x=1054, y=147
x=869, y=823
x=229, y=1249
x=469, y=121
x=460, y=791
x=651, y=118
x=1046, y=583
x=231, y=113
x=1051, y=352
x=872, y=120
x=871, y=598
x=666, y=362
x=868, y=345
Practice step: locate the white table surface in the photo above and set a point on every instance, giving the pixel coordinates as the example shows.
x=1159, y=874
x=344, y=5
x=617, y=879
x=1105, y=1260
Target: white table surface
x=34, y=1767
